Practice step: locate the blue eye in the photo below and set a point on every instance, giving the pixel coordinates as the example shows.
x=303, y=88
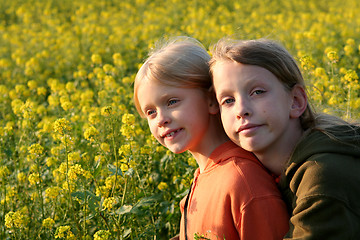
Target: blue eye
x=172, y=101
x=228, y=101
x=257, y=92
x=150, y=112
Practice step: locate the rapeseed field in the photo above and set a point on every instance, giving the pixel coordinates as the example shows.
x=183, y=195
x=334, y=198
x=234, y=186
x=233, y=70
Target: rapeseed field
x=76, y=160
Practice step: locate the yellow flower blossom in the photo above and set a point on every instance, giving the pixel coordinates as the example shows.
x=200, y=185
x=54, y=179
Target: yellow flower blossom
x=21, y=177
x=50, y=161
x=62, y=126
x=94, y=118
x=125, y=149
x=64, y=232
x=74, y=157
x=102, y=235
x=16, y=220
x=48, y=223
x=4, y=173
x=91, y=133
x=34, y=178
x=124, y=167
x=36, y=149
x=70, y=86
x=109, y=203
x=41, y=91
x=333, y=56
x=106, y=111
x=162, y=186
x=96, y=59
x=67, y=105
x=32, y=84
x=52, y=192
x=105, y=147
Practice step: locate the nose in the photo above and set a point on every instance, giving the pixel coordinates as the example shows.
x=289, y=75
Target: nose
x=242, y=109
x=163, y=119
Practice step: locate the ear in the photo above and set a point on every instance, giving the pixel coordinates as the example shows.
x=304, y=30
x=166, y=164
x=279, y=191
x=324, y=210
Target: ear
x=299, y=101
x=213, y=104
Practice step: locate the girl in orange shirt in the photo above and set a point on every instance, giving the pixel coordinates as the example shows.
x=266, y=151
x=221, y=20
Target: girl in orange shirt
x=232, y=195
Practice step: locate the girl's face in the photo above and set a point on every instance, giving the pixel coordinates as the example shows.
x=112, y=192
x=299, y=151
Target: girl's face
x=256, y=110
x=178, y=117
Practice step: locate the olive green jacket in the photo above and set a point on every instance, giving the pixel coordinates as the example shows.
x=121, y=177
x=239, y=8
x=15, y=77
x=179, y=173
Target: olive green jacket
x=321, y=186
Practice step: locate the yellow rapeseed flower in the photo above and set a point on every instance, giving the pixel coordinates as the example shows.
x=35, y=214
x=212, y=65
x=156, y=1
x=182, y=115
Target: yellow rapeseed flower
x=32, y=84
x=125, y=149
x=41, y=91
x=74, y=157
x=50, y=161
x=62, y=126
x=106, y=111
x=102, y=235
x=16, y=219
x=34, y=178
x=91, y=133
x=64, y=232
x=52, y=192
x=48, y=223
x=109, y=203
x=21, y=177
x=333, y=56
x=36, y=149
x=4, y=173
x=162, y=186
x=96, y=59
x=105, y=147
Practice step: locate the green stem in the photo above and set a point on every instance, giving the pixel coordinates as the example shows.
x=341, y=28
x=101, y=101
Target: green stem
x=85, y=212
x=39, y=187
x=3, y=216
x=116, y=158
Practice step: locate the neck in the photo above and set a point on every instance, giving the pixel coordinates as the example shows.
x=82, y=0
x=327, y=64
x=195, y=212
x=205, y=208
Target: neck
x=276, y=158
x=214, y=137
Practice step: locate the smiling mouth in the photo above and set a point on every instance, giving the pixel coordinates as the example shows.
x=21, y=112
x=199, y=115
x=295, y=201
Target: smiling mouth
x=173, y=133
x=248, y=128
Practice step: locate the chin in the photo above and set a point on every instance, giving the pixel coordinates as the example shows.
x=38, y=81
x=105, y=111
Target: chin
x=236, y=141
x=177, y=150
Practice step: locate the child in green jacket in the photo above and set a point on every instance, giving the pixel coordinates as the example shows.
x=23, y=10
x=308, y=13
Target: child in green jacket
x=264, y=109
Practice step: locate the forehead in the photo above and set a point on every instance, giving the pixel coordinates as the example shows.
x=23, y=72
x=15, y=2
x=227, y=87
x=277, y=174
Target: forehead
x=153, y=92
x=231, y=70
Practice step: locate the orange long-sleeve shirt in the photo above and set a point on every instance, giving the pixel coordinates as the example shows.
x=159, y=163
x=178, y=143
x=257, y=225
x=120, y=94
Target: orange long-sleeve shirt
x=234, y=198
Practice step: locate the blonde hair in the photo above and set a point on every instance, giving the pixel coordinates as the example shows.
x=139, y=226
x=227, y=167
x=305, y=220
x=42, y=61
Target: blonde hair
x=181, y=62
x=269, y=55
x=276, y=59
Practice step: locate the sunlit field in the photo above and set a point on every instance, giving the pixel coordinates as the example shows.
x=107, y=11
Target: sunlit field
x=76, y=160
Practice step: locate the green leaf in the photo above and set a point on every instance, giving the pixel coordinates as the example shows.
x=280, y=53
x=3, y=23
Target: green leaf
x=126, y=232
x=112, y=168
x=92, y=200
x=97, y=169
x=144, y=202
x=124, y=209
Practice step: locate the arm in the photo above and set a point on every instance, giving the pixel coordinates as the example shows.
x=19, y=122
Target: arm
x=325, y=199
x=321, y=217
x=177, y=237
x=264, y=218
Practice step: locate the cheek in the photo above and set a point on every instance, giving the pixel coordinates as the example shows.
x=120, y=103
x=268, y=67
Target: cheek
x=226, y=119
x=152, y=127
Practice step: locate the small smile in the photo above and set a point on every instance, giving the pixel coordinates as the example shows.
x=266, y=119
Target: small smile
x=247, y=128
x=170, y=133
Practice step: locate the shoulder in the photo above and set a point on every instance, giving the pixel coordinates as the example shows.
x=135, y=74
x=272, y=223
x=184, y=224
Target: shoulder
x=327, y=174
x=249, y=175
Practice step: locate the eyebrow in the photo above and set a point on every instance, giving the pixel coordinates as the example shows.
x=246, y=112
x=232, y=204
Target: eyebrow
x=162, y=98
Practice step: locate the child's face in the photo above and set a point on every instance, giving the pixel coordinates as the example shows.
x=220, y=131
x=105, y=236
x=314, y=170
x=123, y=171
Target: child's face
x=178, y=117
x=255, y=107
